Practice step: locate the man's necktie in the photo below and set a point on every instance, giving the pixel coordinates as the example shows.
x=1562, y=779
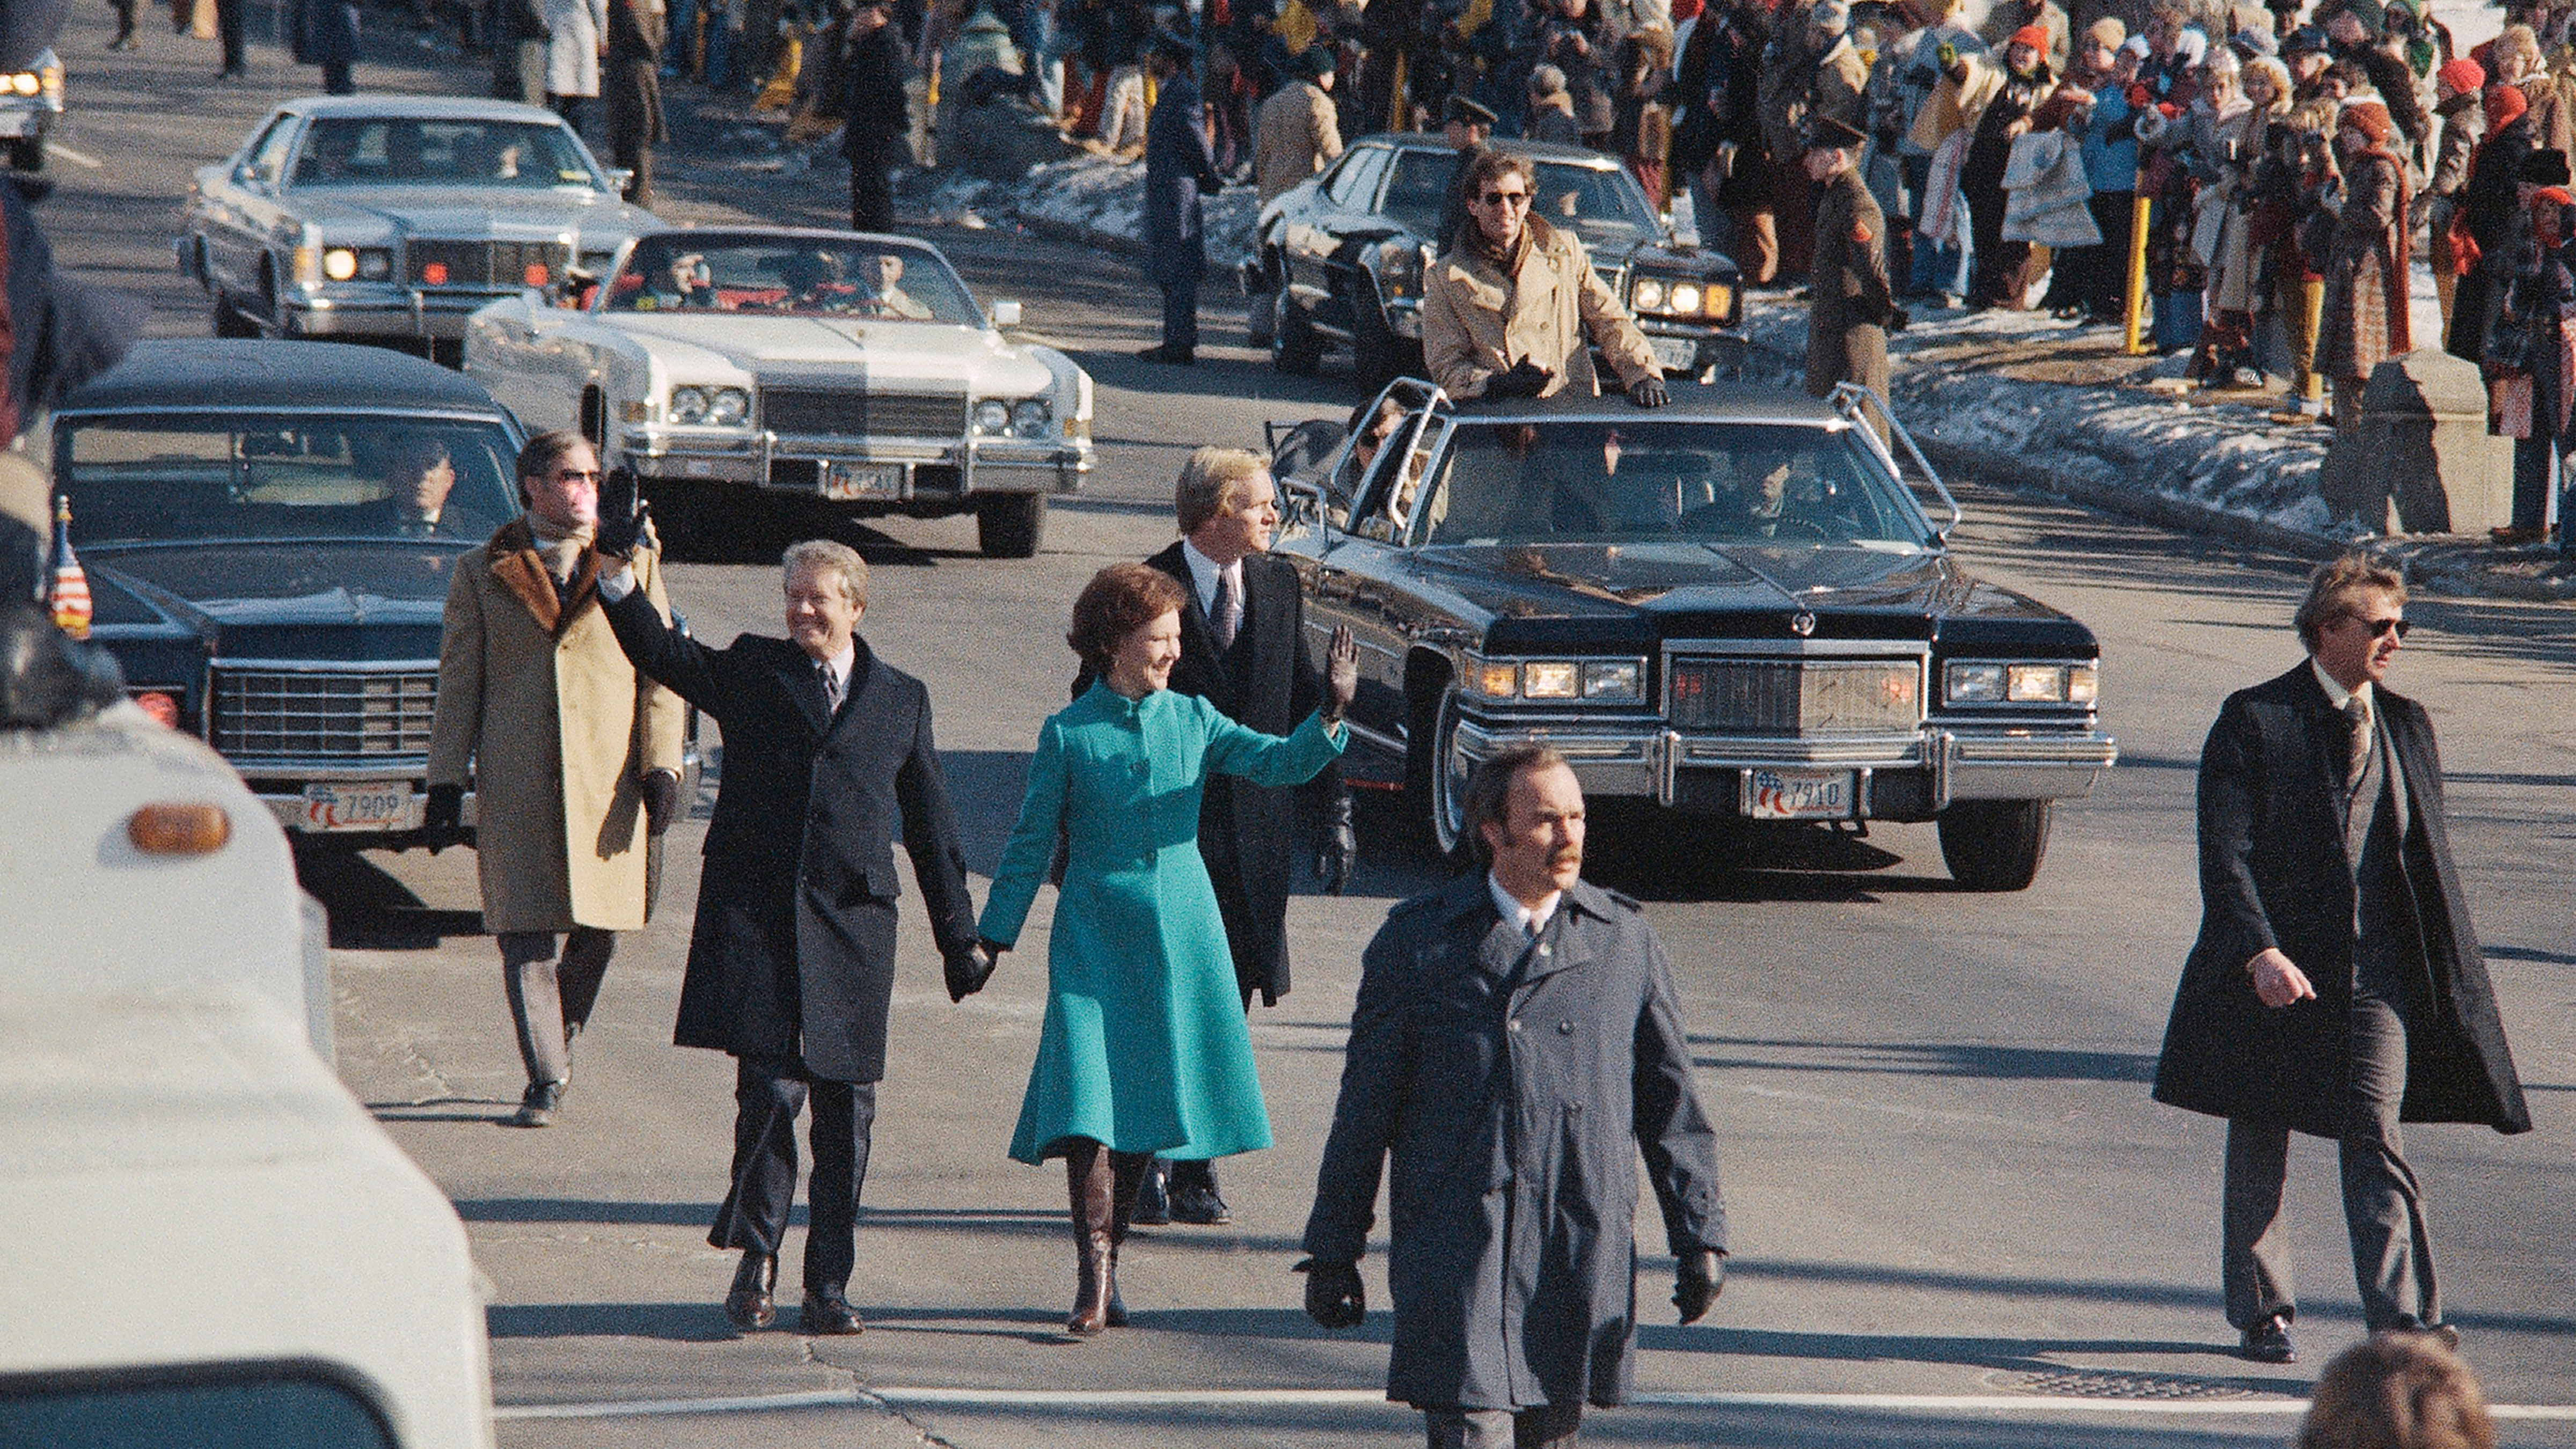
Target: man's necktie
x=2356, y=715
x=1221, y=617
x=831, y=688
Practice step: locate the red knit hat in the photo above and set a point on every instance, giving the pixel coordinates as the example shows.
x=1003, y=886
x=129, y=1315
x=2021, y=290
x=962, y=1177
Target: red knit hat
x=2033, y=36
x=2370, y=118
x=2463, y=75
x=1685, y=9
x=2505, y=104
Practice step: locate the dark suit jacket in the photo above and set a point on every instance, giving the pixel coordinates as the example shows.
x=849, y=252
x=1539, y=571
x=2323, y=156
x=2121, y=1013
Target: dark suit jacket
x=1178, y=164
x=1268, y=682
x=793, y=953
x=874, y=107
x=2275, y=872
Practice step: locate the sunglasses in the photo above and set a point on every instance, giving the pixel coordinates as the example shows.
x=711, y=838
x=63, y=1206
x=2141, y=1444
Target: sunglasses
x=577, y=475
x=1507, y=198
x=2381, y=628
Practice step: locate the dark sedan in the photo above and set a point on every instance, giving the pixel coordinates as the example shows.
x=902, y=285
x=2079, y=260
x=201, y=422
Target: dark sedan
x=1344, y=256
x=263, y=567
x=1734, y=606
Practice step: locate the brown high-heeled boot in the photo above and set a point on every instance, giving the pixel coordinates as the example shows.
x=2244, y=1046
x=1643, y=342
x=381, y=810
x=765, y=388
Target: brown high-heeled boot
x=1092, y=1194
x=1126, y=1180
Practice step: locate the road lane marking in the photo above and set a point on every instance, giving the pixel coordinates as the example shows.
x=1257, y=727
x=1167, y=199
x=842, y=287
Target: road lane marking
x=1112, y=1399
x=77, y=158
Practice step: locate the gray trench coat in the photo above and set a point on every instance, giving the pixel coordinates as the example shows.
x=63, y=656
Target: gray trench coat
x=1514, y=1086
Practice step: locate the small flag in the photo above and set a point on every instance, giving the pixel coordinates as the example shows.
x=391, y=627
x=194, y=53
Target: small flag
x=68, y=598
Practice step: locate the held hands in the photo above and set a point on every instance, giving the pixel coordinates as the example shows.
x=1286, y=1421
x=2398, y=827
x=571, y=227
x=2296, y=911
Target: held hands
x=1335, y=1298
x=1341, y=674
x=969, y=969
x=661, y=800
x=2278, y=981
x=1698, y=1277
x=1525, y=379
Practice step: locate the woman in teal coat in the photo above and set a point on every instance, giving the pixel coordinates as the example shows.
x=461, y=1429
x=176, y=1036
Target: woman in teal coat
x=1145, y=1052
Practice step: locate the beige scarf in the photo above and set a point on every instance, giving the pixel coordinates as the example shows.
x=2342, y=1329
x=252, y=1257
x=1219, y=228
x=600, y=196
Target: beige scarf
x=561, y=547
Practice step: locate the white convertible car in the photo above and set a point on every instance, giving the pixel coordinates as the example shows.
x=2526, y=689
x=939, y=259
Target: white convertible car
x=729, y=368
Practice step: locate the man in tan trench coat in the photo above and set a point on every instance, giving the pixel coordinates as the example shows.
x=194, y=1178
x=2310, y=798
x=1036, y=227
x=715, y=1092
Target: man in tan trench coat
x=1506, y=311
x=573, y=756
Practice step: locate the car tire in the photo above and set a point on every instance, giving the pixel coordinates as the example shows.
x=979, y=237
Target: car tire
x=1433, y=781
x=1296, y=348
x=1995, y=845
x=28, y=153
x=229, y=322
x=1010, y=527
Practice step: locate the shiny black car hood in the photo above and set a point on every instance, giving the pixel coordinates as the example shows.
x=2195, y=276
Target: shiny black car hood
x=328, y=599
x=1533, y=594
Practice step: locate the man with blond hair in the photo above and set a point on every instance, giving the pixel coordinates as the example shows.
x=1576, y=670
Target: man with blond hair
x=1244, y=649
x=2337, y=988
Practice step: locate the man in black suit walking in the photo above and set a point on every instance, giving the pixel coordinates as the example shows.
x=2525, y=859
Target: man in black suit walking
x=2336, y=988
x=1244, y=649
x=791, y=965
x=875, y=113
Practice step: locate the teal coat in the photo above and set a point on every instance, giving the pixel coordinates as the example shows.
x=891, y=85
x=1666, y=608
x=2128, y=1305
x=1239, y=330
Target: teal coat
x=1145, y=1047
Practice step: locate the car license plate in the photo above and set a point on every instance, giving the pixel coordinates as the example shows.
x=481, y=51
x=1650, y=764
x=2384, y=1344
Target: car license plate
x=1675, y=354
x=1798, y=794
x=843, y=481
x=360, y=807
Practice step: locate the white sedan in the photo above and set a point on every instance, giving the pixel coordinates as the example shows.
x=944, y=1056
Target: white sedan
x=729, y=368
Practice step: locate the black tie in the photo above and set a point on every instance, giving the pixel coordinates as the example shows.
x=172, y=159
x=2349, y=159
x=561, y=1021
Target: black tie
x=1221, y=615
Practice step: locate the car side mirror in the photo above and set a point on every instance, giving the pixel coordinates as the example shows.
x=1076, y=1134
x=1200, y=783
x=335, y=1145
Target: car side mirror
x=1006, y=314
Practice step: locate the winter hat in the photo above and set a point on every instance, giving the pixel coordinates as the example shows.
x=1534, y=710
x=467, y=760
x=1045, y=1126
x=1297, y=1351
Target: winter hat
x=2136, y=45
x=2108, y=33
x=2251, y=42
x=1316, y=63
x=2370, y=118
x=2504, y=106
x=2036, y=37
x=1546, y=80
x=2463, y=75
x=2191, y=45
x=2373, y=18
x=2306, y=40
x=2544, y=168
x=1685, y=10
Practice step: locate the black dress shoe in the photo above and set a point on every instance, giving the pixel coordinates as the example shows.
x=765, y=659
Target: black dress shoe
x=1153, y=1204
x=538, y=1105
x=751, y=1305
x=2269, y=1342
x=827, y=1311
x=1199, y=1206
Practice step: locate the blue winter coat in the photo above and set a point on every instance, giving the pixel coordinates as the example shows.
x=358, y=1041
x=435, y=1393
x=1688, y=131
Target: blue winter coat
x=1144, y=1046
x=2111, y=142
x=1177, y=164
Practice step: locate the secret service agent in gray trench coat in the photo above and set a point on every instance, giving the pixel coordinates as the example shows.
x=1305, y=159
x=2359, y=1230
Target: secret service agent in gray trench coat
x=1515, y=1084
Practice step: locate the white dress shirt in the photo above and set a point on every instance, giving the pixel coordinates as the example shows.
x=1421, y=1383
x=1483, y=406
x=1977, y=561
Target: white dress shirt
x=2336, y=694
x=1528, y=920
x=1204, y=573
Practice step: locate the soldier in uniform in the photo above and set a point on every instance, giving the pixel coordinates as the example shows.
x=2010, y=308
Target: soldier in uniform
x=1853, y=310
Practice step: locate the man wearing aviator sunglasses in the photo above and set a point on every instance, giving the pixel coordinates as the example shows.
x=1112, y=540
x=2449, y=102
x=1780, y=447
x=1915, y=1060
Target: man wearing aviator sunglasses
x=1507, y=310
x=2336, y=988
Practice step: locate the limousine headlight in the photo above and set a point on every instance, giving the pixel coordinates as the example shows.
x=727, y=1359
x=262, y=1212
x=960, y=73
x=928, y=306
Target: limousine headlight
x=1604, y=681
x=688, y=405
x=2021, y=683
x=728, y=406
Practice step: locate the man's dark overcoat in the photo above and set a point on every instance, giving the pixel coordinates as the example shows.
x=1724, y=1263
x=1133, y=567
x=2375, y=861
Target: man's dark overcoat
x=1515, y=1084
x=631, y=82
x=793, y=951
x=876, y=111
x=1268, y=682
x=2274, y=873
x=1177, y=164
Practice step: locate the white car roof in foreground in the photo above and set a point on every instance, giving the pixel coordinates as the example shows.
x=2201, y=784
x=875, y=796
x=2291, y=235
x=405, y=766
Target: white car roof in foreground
x=436, y=108
x=253, y=1211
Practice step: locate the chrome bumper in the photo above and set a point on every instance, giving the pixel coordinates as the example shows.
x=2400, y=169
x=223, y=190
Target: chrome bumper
x=979, y=465
x=412, y=313
x=280, y=787
x=1960, y=764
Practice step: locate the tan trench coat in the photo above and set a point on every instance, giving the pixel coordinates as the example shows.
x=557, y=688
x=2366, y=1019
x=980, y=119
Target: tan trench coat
x=554, y=730
x=1295, y=135
x=1476, y=322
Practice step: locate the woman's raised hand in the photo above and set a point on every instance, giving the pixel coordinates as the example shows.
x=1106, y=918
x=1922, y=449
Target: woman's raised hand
x=1341, y=674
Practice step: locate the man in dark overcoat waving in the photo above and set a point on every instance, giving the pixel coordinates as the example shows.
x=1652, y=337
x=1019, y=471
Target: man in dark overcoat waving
x=1516, y=1047
x=791, y=967
x=2336, y=988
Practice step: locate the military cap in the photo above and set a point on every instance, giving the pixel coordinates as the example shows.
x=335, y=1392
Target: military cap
x=1461, y=110
x=1826, y=133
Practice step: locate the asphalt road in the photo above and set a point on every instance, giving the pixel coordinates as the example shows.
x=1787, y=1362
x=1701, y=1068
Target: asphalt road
x=1957, y=1218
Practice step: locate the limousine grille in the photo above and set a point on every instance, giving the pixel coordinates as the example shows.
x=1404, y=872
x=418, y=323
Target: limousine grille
x=1783, y=697
x=317, y=715
x=854, y=413
x=431, y=262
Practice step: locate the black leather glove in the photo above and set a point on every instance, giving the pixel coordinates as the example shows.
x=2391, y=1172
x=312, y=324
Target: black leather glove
x=1525, y=379
x=619, y=533
x=443, y=818
x=968, y=970
x=1337, y=844
x=1698, y=1277
x=1649, y=392
x=1898, y=319
x=1335, y=1298
x=661, y=800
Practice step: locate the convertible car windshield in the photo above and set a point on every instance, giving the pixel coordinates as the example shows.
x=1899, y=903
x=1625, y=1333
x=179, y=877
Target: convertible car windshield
x=799, y=277
x=1599, y=204
x=178, y=478
x=1642, y=482
x=382, y=150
